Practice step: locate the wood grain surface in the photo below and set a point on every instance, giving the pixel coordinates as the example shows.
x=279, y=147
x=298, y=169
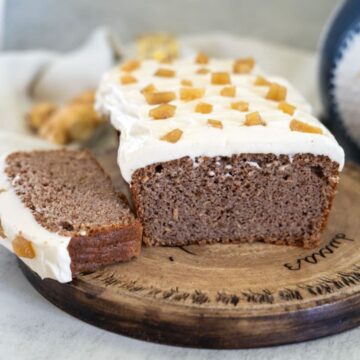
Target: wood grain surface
x=227, y=296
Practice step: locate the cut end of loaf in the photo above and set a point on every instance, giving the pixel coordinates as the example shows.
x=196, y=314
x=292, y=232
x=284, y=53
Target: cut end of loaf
x=242, y=198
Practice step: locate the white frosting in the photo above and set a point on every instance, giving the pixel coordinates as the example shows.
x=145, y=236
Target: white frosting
x=52, y=258
x=140, y=143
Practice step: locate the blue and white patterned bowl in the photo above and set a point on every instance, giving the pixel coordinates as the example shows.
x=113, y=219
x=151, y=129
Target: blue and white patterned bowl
x=340, y=75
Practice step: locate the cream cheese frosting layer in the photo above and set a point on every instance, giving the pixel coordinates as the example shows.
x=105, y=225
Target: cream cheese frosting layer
x=140, y=141
x=52, y=259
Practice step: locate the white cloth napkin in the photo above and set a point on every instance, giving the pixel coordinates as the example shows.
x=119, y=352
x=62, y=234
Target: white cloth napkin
x=27, y=77
x=36, y=75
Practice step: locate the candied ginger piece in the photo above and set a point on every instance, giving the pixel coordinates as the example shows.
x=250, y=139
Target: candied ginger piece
x=202, y=58
x=128, y=79
x=215, y=123
x=261, y=81
x=188, y=94
x=240, y=106
x=162, y=72
x=297, y=125
x=130, y=65
x=40, y=114
x=160, y=97
x=186, y=82
x=286, y=107
x=163, y=111
x=23, y=248
x=202, y=71
x=253, y=119
x=276, y=92
x=203, y=108
x=173, y=136
x=149, y=89
x=220, y=78
x=229, y=91
x=243, y=66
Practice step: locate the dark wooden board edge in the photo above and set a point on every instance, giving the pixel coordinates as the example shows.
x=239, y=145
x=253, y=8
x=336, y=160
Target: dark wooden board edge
x=196, y=329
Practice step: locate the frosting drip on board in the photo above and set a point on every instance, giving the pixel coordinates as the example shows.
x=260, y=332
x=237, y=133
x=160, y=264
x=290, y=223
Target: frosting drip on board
x=141, y=144
x=51, y=257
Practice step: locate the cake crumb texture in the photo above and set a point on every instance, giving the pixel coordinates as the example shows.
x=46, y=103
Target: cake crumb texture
x=242, y=198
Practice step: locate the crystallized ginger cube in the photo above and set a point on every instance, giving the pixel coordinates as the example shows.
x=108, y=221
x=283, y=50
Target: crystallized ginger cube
x=202, y=71
x=276, y=92
x=186, y=82
x=163, y=111
x=172, y=136
x=243, y=66
x=215, y=123
x=297, y=125
x=229, y=91
x=201, y=58
x=165, y=72
x=220, y=78
x=240, y=106
x=23, y=248
x=188, y=94
x=130, y=65
x=286, y=107
x=149, y=89
x=261, y=81
x=128, y=79
x=203, y=108
x=160, y=97
x=253, y=119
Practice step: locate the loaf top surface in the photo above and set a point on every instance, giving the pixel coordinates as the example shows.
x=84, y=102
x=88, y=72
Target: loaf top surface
x=207, y=107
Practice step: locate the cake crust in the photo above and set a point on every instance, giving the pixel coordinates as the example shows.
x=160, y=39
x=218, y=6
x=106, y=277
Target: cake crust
x=221, y=199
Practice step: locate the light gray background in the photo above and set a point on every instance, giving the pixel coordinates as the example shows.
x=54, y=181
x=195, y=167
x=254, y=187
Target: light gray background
x=63, y=24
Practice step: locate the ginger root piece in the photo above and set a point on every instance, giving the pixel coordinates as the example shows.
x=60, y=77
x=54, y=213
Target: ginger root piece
x=40, y=114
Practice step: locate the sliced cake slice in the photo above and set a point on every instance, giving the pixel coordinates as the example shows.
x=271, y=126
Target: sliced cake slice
x=61, y=215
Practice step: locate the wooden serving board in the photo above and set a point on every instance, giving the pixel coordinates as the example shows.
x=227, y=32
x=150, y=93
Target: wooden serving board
x=227, y=296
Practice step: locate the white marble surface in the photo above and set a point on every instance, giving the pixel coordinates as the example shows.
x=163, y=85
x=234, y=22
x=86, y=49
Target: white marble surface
x=34, y=329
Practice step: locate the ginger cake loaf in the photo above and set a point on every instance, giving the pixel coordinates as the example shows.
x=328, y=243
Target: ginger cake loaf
x=60, y=214
x=218, y=151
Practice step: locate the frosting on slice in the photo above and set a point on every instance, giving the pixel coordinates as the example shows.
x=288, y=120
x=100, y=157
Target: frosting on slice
x=233, y=91
x=43, y=251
